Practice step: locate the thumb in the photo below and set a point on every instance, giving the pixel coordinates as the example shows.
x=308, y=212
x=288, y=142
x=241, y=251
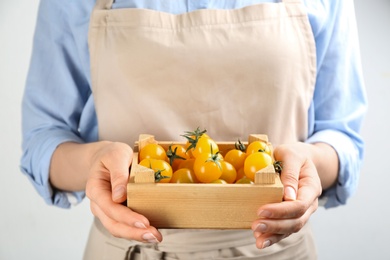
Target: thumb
x=290, y=190
x=118, y=167
x=289, y=175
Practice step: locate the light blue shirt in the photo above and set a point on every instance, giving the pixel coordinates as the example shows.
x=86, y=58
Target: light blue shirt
x=58, y=105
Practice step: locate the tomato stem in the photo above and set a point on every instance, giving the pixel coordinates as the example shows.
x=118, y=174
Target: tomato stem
x=158, y=176
x=240, y=146
x=193, y=137
x=172, y=155
x=278, y=166
x=214, y=158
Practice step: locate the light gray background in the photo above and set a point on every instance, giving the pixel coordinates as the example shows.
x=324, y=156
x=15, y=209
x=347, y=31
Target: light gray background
x=29, y=229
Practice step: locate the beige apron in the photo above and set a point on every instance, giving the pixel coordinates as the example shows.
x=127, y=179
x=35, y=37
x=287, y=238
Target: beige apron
x=232, y=72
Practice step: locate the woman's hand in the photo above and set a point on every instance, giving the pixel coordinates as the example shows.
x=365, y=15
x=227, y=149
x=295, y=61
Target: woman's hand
x=302, y=187
x=106, y=189
x=102, y=169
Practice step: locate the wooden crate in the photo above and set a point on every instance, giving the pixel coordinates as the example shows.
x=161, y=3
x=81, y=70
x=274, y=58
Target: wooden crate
x=202, y=206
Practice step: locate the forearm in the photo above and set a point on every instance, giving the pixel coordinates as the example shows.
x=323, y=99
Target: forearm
x=71, y=163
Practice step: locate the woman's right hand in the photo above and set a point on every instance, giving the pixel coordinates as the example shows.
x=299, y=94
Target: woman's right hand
x=106, y=189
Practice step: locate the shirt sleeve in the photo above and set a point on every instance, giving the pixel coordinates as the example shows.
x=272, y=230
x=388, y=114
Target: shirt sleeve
x=339, y=102
x=55, y=95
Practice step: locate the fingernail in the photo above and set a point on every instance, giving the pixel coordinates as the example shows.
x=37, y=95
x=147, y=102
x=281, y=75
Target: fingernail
x=139, y=225
x=118, y=192
x=261, y=227
x=150, y=238
x=264, y=214
x=266, y=243
x=289, y=193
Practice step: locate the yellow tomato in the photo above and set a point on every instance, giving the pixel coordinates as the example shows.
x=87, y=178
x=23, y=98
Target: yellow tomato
x=257, y=146
x=236, y=158
x=153, y=151
x=244, y=180
x=207, y=168
x=204, y=145
x=255, y=162
x=229, y=173
x=189, y=163
x=183, y=175
x=162, y=169
x=240, y=173
x=176, y=154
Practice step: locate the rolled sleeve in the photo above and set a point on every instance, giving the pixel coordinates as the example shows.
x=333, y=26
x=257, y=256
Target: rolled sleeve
x=35, y=164
x=350, y=159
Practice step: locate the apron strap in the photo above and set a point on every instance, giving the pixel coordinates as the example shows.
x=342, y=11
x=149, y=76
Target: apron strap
x=103, y=4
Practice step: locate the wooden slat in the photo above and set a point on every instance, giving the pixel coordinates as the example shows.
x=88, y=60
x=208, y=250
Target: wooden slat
x=266, y=175
x=214, y=206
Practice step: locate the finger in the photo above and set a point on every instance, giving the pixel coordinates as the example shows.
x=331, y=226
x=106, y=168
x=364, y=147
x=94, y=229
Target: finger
x=137, y=231
x=290, y=209
x=283, y=225
x=283, y=210
x=267, y=240
x=99, y=192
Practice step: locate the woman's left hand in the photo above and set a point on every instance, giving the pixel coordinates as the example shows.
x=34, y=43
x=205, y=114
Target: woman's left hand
x=302, y=187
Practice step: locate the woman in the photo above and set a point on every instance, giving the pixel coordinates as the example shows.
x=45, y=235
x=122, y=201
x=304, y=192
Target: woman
x=104, y=72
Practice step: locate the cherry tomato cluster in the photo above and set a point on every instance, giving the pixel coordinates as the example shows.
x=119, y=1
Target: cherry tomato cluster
x=199, y=160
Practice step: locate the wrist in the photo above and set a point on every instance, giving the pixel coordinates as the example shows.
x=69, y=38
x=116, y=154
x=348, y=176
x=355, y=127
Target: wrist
x=326, y=161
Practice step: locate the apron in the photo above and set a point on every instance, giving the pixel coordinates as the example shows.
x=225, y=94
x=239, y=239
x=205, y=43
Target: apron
x=232, y=72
